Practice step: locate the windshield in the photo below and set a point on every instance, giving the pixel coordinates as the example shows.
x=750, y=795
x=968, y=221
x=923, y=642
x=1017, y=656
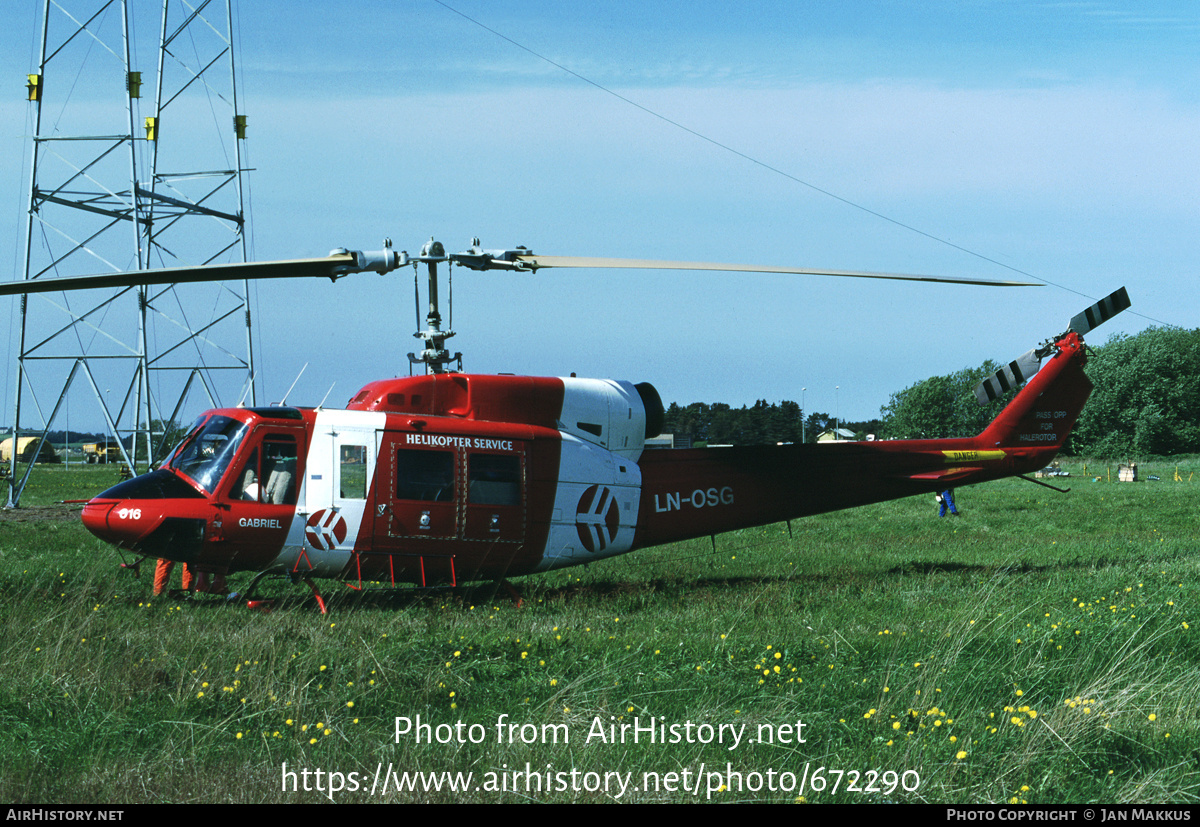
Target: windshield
x=207, y=450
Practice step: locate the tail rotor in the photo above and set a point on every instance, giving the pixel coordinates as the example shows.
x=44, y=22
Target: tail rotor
x=1021, y=370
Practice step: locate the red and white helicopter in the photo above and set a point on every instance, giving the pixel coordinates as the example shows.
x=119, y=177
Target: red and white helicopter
x=449, y=477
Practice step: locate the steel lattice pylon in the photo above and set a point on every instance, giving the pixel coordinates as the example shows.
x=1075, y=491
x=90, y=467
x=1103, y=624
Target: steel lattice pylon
x=111, y=185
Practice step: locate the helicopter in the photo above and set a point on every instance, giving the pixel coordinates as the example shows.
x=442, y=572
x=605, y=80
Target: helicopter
x=446, y=477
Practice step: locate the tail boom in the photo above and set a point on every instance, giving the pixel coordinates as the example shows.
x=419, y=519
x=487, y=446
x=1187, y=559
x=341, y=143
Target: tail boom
x=696, y=492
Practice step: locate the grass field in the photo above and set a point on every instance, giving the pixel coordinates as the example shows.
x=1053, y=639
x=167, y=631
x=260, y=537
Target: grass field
x=1042, y=648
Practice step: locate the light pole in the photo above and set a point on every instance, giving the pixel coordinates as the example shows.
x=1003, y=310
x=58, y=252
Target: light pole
x=837, y=411
x=803, y=417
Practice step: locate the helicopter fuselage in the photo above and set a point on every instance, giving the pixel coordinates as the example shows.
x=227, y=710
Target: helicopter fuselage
x=447, y=478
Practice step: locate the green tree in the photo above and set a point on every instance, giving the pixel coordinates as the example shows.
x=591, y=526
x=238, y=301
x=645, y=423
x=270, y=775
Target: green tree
x=817, y=423
x=1145, y=400
x=785, y=419
x=719, y=424
x=942, y=406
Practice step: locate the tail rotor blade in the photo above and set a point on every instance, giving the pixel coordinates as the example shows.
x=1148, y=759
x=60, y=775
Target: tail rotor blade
x=1100, y=312
x=1013, y=375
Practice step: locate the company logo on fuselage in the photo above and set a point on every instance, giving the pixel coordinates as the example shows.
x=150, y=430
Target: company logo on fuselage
x=597, y=518
x=325, y=530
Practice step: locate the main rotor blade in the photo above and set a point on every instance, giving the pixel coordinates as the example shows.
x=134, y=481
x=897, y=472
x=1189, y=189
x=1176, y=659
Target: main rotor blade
x=537, y=262
x=329, y=267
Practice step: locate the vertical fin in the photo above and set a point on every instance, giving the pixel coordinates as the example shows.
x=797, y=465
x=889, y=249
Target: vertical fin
x=1044, y=412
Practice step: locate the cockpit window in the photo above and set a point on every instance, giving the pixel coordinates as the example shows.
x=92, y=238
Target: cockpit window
x=206, y=452
x=273, y=480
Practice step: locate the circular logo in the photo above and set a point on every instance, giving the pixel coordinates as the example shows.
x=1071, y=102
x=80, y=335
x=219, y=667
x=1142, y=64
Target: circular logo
x=325, y=530
x=597, y=518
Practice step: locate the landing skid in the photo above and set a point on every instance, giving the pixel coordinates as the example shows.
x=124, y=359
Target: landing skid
x=266, y=604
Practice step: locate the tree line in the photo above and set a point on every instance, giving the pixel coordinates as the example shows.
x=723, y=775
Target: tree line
x=762, y=423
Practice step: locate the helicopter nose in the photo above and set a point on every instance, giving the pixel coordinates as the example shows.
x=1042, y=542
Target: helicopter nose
x=95, y=517
x=149, y=515
x=120, y=522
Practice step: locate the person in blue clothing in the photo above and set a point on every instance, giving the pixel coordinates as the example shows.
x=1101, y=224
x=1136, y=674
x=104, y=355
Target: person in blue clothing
x=946, y=500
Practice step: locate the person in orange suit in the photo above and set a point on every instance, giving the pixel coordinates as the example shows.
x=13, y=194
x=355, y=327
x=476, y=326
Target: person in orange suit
x=197, y=581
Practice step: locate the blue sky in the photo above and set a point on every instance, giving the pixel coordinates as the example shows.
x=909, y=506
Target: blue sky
x=1059, y=139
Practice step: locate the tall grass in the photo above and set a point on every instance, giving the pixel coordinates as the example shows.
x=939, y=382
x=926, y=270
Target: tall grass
x=1041, y=648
